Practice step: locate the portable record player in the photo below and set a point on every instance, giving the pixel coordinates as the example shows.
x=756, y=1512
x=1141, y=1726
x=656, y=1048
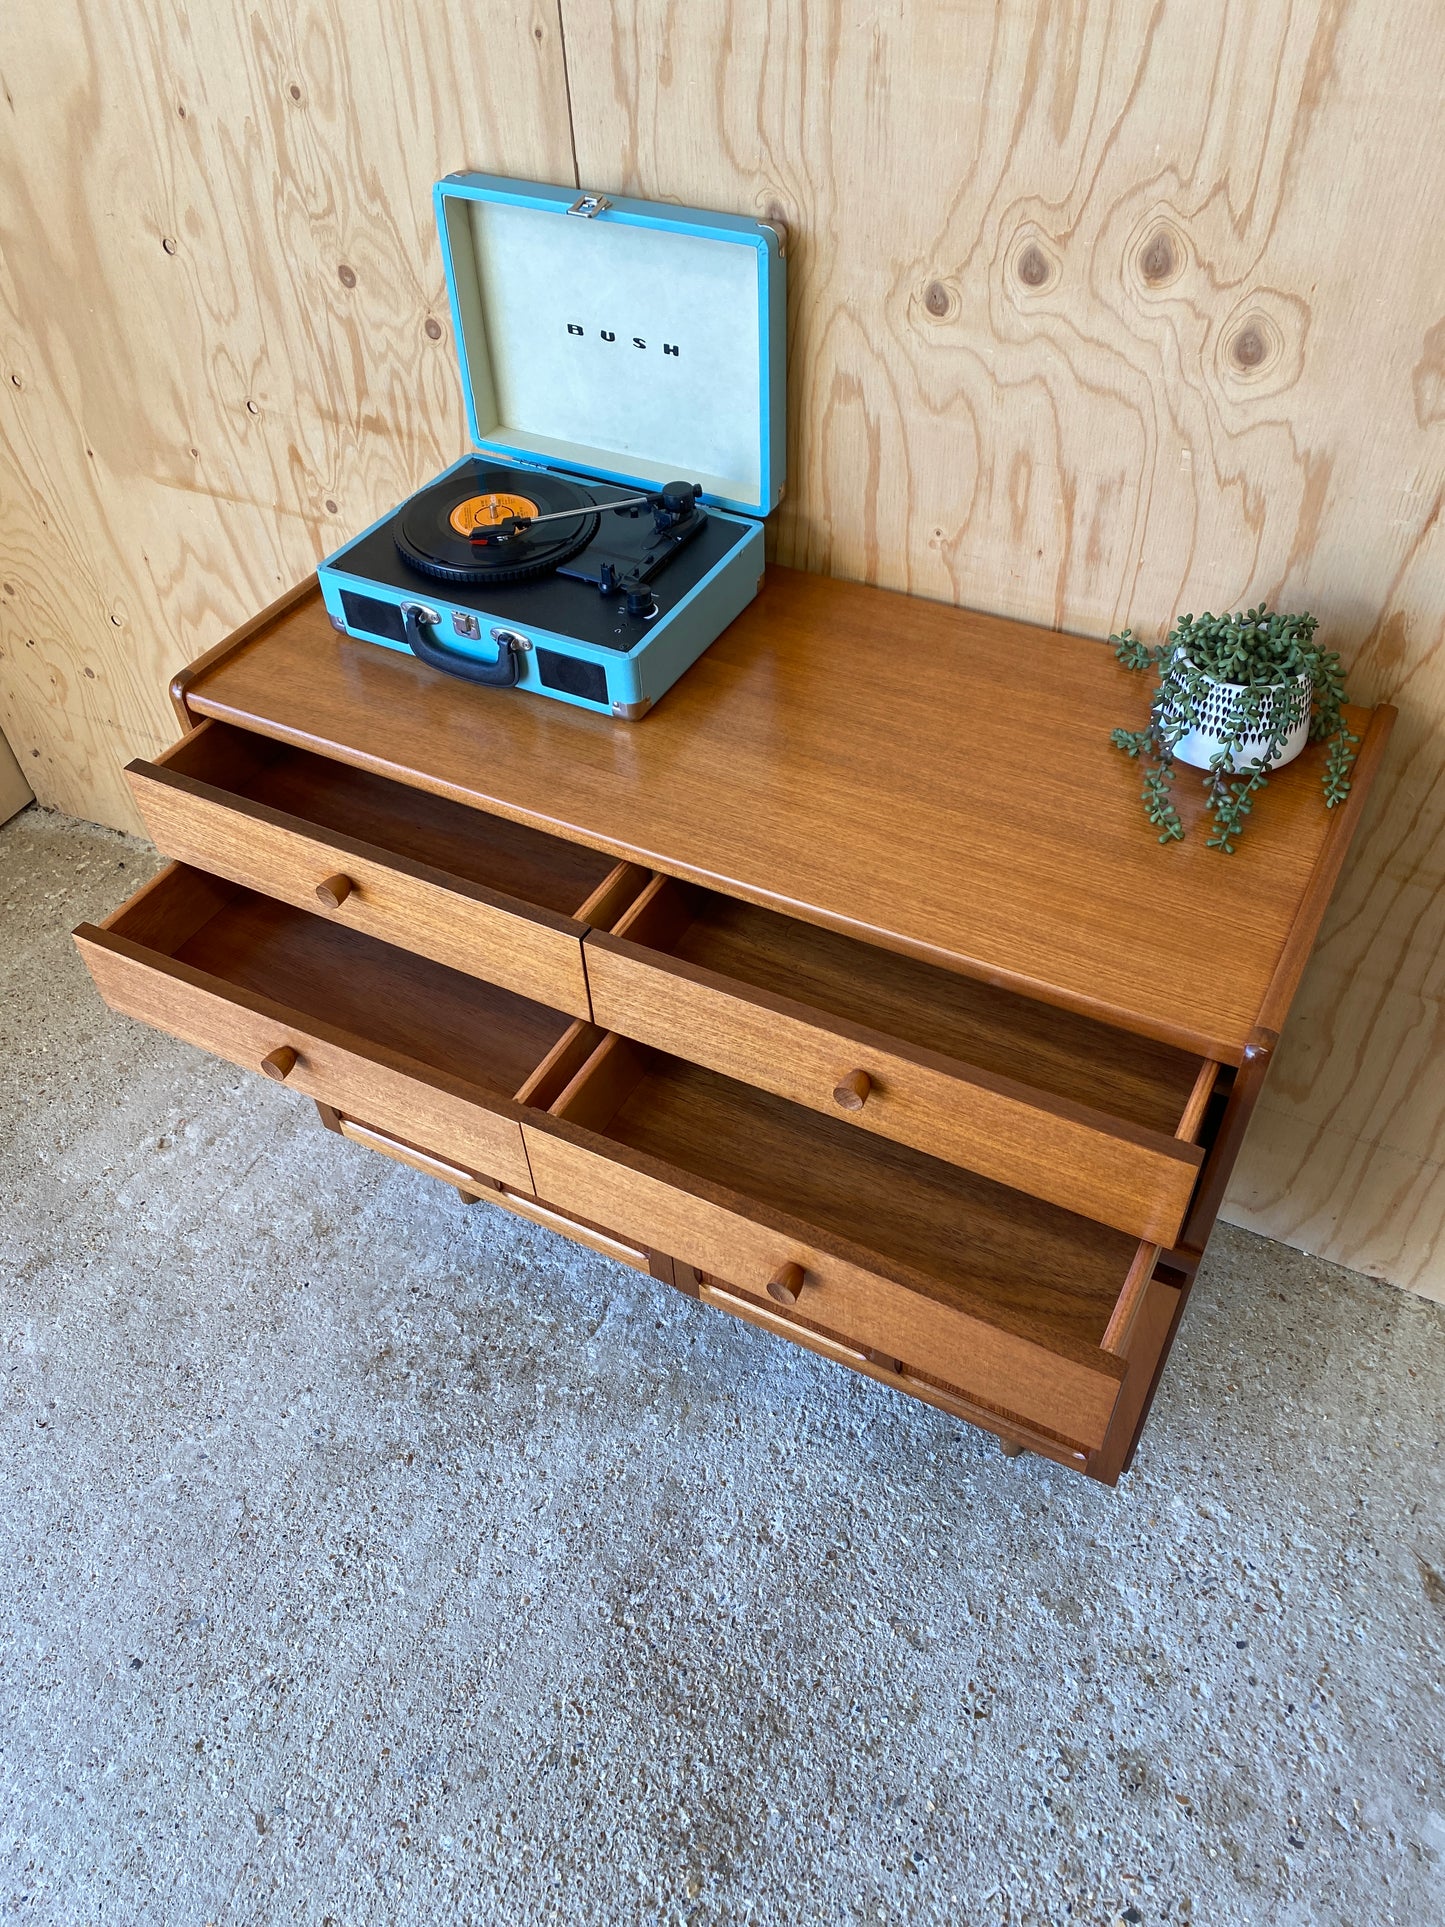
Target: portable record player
x=622, y=363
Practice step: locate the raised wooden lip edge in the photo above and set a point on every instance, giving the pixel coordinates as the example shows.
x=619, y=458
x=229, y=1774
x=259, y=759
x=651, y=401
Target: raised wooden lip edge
x=191, y=702
x=1165, y=1144
x=741, y=1204
x=1126, y=1306
x=424, y=873
x=191, y=673
x=1192, y=1118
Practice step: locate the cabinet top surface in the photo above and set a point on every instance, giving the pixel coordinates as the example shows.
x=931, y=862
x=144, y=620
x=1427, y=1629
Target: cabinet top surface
x=925, y=777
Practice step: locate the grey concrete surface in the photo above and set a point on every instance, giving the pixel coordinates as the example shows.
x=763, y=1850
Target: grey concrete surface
x=365, y=1559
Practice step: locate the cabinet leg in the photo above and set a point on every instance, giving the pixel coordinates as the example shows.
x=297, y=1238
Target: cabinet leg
x=1010, y=1448
x=682, y=1277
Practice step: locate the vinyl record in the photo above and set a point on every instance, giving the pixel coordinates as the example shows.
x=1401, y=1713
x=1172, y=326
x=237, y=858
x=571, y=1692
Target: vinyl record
x=433, y=531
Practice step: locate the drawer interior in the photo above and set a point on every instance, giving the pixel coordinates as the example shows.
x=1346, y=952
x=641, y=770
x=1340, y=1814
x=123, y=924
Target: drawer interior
x=344, y=979
x=1133, y=1078
x=393, y=817
x=1032, y=1267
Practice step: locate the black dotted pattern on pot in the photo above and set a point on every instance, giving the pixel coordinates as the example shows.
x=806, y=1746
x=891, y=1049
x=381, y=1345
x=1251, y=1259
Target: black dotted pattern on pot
x=1281, y=708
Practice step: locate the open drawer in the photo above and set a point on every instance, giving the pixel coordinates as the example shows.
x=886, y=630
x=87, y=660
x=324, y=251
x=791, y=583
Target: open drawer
x=417, y=1049
x=1026, y=1309
x=1096, y=1120
x=485, y=895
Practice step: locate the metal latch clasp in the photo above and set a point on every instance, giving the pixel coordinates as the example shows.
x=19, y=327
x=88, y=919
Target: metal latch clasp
x=590, y=204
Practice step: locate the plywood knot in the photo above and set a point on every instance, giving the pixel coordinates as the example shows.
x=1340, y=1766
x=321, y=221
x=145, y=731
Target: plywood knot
x=1160, y=254
x=1031, y=267
x=1259, y=347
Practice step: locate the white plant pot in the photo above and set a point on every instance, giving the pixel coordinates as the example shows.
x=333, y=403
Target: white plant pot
x=1201, y=746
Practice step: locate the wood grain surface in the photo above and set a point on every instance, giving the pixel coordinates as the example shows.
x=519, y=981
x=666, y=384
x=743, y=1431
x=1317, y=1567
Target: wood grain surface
x=15, y=791
x=1103, y=313
x=475, y=892
x=1097, y=313
x=429, y=1055
x=223, y=323
x=1066, y=1389
x=916, y=818
x=1037, y=1270
x=973, y=1022
x=1016, y=1133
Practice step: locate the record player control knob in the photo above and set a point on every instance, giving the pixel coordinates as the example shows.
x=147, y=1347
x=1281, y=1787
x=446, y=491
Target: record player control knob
x=640, y=604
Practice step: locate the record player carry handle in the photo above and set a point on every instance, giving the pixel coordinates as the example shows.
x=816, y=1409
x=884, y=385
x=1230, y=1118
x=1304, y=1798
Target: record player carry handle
x=501, y=674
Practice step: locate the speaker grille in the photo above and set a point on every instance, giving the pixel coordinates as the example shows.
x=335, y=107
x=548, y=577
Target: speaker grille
x=573, y=676
x=373, y=616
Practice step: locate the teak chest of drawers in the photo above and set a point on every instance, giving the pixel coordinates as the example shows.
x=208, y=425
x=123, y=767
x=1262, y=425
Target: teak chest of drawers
x=869, y=1012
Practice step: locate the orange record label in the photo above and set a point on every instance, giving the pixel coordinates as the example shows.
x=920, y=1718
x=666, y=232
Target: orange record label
x=482, y=511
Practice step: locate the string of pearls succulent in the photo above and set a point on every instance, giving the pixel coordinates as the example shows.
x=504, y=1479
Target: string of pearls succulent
x=1246, y=680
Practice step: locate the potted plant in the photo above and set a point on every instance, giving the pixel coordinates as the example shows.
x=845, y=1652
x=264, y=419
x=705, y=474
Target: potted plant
x=1237, y=696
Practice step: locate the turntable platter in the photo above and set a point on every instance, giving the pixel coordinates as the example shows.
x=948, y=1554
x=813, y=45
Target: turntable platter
x=436, y=530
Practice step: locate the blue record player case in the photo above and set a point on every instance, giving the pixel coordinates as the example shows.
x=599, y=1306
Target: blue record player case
x=612, y=346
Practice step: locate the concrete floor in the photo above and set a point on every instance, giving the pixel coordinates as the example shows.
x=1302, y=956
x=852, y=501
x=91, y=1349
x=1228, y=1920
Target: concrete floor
x=364, y=1559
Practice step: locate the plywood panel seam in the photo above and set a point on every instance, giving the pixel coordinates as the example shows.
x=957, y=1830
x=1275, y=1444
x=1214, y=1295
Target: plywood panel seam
x=1365, y=1142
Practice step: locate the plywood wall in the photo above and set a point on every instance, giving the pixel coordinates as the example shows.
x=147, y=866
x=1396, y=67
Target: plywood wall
x=1100, y=309
x=223, y=322
x=15, y=792
x=1104, y=312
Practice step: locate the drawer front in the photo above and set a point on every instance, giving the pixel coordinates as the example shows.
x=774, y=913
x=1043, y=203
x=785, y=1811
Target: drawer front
x=518, y=945
x=1118, y=1174
x=1071, y=1398
x=477, y=1189
x=350, y=1076
x=893, y=1374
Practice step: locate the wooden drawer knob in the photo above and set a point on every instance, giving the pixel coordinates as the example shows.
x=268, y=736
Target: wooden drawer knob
x=279, y=1063
x=333, y=891
x=850, y=1093
x=786, y=1284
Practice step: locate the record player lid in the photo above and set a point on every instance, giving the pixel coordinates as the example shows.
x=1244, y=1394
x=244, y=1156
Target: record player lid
x=626, y=339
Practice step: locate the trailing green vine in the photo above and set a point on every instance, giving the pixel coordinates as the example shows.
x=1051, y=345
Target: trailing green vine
x=1238, y=680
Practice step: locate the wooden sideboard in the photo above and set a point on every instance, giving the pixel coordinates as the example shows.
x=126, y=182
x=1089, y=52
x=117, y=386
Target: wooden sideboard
x=849, y=992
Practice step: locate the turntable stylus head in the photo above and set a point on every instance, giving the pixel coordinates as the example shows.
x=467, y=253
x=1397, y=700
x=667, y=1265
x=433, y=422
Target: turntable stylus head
x=490, y=535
